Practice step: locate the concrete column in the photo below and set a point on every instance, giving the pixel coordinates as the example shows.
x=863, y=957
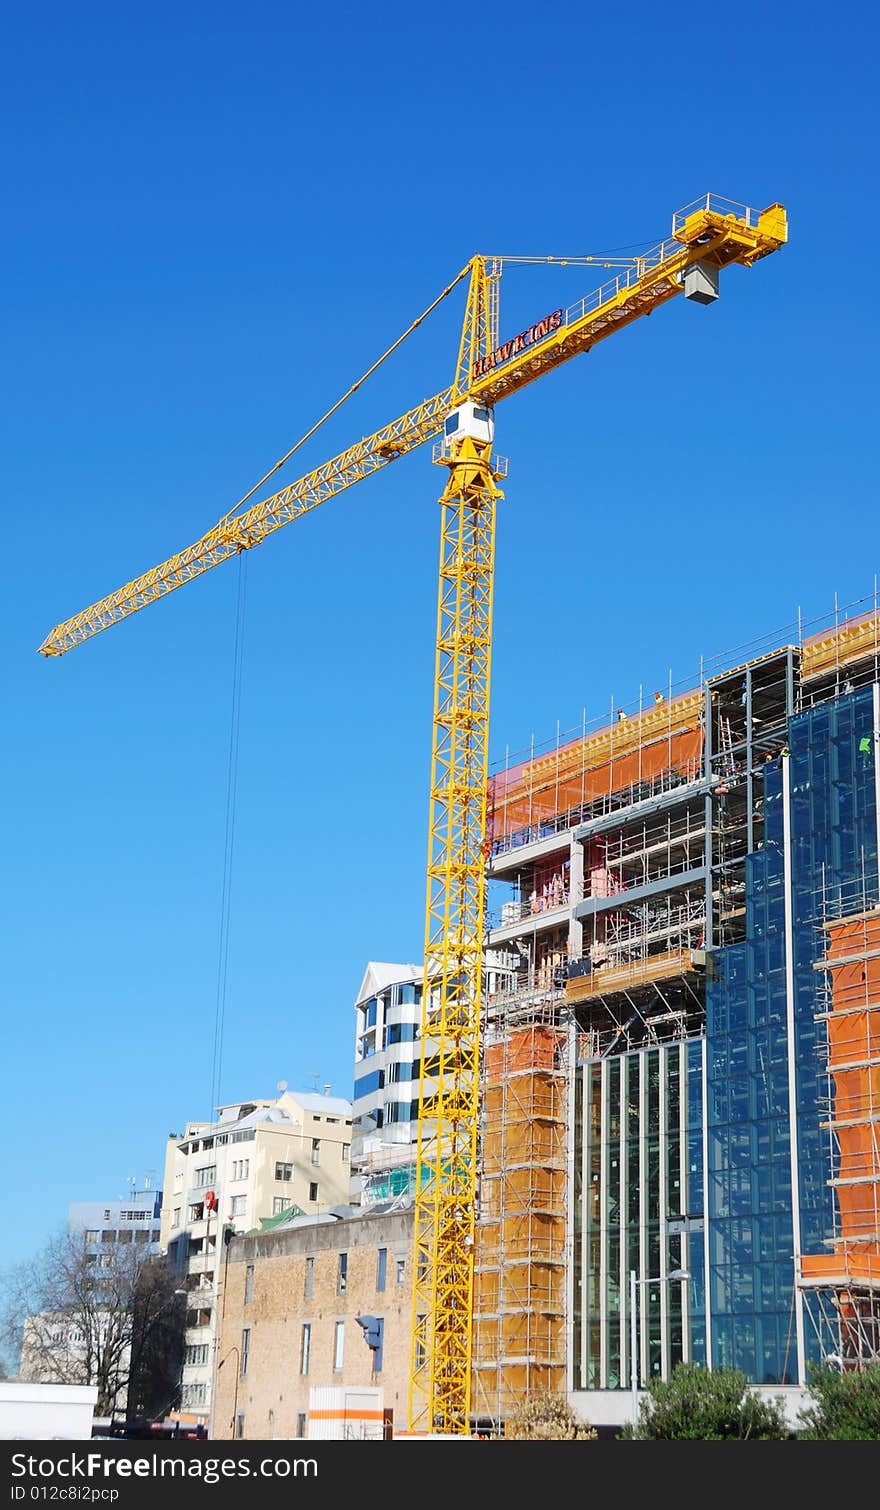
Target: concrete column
x=576, y=894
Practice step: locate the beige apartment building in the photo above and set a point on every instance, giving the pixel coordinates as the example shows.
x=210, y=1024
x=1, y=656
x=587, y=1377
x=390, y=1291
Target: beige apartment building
x=260, y=1159
x=288, y=1320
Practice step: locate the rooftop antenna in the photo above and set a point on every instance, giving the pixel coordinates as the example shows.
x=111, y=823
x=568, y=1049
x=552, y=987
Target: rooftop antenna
x=281, y=1087
x=315, y=1078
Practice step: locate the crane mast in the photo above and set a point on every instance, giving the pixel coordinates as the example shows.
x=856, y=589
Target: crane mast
x=706, y=236
x=446, y=1161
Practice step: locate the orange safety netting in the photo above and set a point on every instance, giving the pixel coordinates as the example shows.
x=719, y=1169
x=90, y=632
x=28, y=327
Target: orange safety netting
x=586, y=770
x=853, y=955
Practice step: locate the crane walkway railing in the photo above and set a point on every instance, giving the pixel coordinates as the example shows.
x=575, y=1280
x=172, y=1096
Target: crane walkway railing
x=658, y=255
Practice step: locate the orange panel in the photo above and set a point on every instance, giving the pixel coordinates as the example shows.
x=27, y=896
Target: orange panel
x=537, y=790
x=854, y=1065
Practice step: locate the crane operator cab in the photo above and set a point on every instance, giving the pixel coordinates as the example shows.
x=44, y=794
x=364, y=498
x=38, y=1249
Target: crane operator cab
x=475, y=420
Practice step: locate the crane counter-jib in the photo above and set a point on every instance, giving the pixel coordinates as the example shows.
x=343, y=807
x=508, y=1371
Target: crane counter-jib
x=707, y=236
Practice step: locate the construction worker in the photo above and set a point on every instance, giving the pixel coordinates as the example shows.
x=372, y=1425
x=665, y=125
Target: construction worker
x=658, y=697
x=622, y=717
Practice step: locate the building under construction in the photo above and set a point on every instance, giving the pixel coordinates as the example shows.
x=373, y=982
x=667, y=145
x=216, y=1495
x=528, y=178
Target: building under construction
x=681, y=1065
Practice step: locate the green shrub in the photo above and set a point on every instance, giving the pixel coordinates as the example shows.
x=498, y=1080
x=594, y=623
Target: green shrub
x=698, y=1405
x=846, y=1406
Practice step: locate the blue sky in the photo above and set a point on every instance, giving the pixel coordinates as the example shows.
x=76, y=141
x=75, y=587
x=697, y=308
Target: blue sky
x=216, y=218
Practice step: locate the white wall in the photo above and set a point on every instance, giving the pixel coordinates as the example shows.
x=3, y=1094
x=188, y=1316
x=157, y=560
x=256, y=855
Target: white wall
x=43, y=1412
x=613, y=1407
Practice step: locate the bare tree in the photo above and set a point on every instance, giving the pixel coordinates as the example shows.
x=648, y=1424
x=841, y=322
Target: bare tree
x=77, y=1314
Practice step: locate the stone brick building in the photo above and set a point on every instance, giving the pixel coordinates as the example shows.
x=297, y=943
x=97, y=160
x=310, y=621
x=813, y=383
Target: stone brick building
x=287, y=1319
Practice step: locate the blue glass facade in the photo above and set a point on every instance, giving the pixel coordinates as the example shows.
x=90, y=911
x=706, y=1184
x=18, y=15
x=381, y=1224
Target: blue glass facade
x=751, y=1243
x=684, y=1154
x=832, y=852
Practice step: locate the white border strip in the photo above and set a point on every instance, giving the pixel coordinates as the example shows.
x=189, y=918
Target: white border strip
x=792, y=1068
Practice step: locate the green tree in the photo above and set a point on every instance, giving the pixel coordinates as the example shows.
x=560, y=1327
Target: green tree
x=846, y=1406
x=698, y=1405
x=547, y=1418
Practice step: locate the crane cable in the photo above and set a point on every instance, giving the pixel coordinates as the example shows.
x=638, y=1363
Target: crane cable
x=597, y=257
x=235, y=713
x=353, y=389
x=229, y=835
x=235, y=717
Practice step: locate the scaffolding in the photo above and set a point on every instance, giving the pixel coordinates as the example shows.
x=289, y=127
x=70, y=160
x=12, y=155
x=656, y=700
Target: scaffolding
x=625, y=846
x=620, y=758
x=652, y=969
x=843, y=1287
x=591, y=775
x=520, y=1266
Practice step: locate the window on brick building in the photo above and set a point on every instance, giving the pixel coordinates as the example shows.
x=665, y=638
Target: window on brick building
x=309, y=1286
x=377, y=1351
x=342, y=1275
x=313, y=1191
x=316, y=1150
x=305, y=1349
x=400, y=1268
x=338, y=1346
x=248, y=1284
x=245, y=1349
x=381, y=1268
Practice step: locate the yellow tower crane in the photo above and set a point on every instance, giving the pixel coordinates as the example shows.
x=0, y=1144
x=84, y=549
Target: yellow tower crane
x=705, y=237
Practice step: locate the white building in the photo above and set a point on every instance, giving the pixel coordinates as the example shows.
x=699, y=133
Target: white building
x=259, y=1159
x=62, y=1348
x=387, y=1063
x=387, y=1057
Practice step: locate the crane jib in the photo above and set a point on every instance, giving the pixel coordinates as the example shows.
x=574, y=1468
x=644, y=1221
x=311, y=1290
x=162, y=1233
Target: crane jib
x=512, y=348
